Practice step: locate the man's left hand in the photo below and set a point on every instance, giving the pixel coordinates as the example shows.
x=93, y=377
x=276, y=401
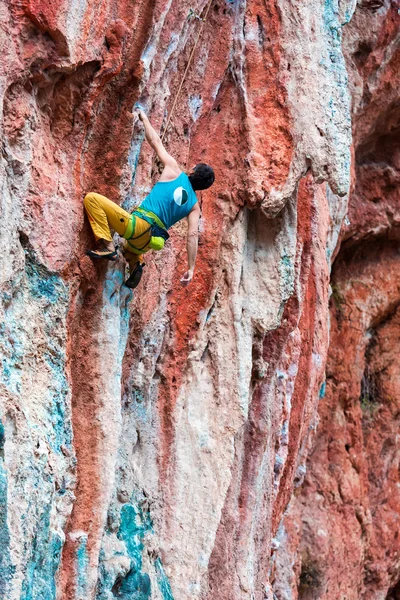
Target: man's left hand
x=187, y=277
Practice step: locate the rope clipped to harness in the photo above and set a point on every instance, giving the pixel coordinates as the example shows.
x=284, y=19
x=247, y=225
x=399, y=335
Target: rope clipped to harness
x=187, y=68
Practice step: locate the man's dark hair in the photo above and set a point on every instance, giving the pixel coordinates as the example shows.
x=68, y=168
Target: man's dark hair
x=202, y=177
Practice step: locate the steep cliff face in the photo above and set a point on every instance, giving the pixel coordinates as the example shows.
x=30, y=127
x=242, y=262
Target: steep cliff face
x=346, y=517
x=150, y=442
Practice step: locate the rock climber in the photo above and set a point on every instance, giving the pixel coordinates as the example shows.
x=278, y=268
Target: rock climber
x=172, y=198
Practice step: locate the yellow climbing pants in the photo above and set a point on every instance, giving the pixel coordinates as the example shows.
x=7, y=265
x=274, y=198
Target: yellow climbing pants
x=104, y=214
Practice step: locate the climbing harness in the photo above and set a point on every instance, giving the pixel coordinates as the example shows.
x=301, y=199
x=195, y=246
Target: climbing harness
x=187, y=68
x=158, y=233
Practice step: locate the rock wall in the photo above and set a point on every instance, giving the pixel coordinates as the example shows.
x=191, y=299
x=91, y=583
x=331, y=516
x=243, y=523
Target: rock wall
x=150, y=442
x=340, y=536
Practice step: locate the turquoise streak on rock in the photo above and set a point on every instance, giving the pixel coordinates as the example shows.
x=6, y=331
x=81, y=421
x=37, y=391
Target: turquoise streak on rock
x=43, y=562
x=42, y=297
x=43, y=284
x=49, y=290
x=61, y=435
x=82, y=566
x=6, y=568
x=339, y=102
x=134, y=524
x=12, y=351
x=131, y=523
x=133, y=160
x=286, y=270
x=162, y=581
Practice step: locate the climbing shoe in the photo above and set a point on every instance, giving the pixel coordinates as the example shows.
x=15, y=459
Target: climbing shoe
x=135, y=276
x=104, y=250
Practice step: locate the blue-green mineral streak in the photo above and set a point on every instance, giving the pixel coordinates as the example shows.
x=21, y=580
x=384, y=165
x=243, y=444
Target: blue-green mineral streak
x=134, y=523
x=6, y=568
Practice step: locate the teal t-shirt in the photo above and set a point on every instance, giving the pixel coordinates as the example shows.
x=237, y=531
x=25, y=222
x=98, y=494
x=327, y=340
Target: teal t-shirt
x=172, y=200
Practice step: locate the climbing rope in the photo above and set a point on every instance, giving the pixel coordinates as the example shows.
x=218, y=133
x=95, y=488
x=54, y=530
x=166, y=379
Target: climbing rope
x=187, y=68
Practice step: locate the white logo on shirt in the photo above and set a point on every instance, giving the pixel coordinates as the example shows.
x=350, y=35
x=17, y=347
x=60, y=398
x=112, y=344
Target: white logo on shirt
x=181, y=196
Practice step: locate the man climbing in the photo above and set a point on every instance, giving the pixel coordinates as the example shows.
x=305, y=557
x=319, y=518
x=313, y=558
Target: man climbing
x=172, y=198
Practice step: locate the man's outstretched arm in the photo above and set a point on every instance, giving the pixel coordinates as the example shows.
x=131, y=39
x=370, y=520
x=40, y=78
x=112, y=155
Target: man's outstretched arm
x=191, y=243
x=155, y=142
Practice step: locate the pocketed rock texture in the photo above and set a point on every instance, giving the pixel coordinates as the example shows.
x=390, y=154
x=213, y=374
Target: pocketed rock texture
x=151, y=442
x=340, y=536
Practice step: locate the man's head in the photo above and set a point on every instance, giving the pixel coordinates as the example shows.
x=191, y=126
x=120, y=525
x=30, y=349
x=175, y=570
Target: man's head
x=202, y=177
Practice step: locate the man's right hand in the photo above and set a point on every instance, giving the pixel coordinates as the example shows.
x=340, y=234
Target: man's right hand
x=155, y=142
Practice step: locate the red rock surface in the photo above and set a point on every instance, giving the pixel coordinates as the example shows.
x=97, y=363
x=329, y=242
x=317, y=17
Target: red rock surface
x=152, y=441
x=342, y=529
